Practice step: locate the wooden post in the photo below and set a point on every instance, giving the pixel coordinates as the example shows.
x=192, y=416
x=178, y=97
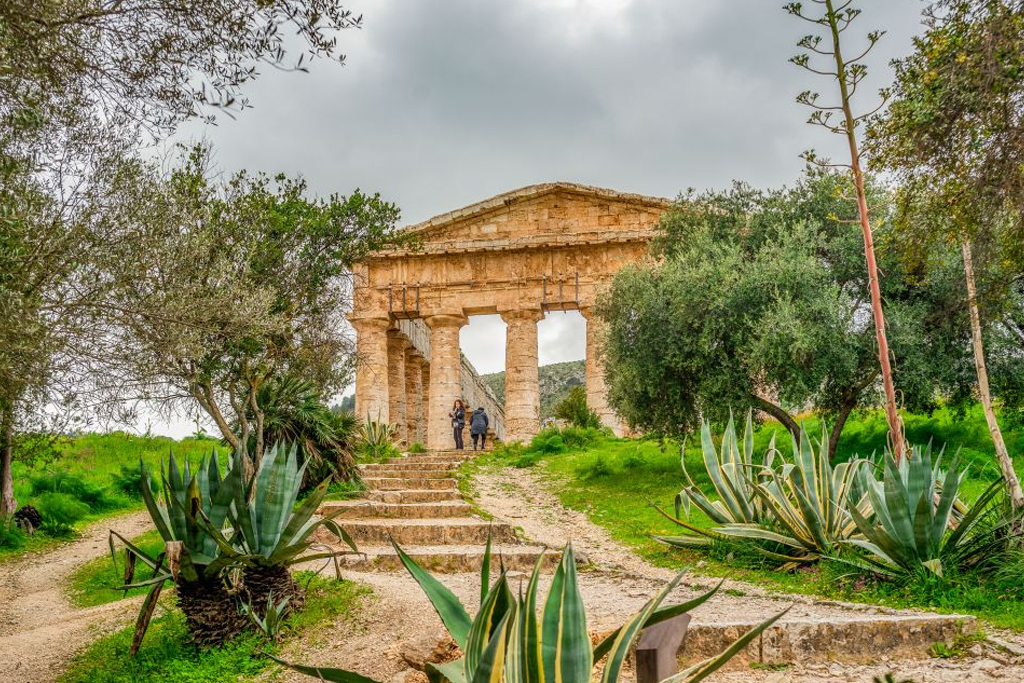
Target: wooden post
x=658, y=649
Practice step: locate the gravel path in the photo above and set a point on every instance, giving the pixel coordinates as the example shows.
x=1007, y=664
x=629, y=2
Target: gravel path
x=40, y=630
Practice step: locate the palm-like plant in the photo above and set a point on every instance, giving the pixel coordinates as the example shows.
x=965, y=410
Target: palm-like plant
x=294, y=412
x=508, y=642
x=913, y=526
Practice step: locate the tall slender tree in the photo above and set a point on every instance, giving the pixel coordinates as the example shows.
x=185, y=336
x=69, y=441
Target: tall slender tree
x=839, y=118
x=953, y=134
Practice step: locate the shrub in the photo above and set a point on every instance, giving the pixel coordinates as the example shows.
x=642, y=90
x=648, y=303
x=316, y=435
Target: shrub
x=11, y=535
x=594, y=468
x=71, y=484
x=574, y=410
x=129, y=480
x=580, y=437
x=548, y=442
x=417, y=447
x=60, y=512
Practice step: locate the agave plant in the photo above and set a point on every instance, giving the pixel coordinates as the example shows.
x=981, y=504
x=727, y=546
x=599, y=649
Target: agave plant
x=730, y=473
x=810, y=502
x=376, y=440
x=191, y=505
x=272, y=622
x=913, y=525
x=228, y=541
x=508, y=642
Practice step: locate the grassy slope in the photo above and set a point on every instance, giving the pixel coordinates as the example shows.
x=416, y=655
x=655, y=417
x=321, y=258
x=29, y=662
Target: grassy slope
x=96, y=458
x=615, y=481
x=167, y=657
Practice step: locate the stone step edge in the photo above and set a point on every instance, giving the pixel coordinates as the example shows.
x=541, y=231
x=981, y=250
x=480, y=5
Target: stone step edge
x=854, y=640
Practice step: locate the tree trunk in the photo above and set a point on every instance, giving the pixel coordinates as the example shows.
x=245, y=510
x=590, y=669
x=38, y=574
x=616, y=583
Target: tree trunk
x=1005, y=462
x=8, y=504
x=204, y=396
x=837, y=428
x=891, y=411
x=778, y=413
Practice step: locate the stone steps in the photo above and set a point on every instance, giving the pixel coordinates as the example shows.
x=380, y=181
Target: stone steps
x=414, y=532
x=405, y=473
x=367, y=509
x=402, y=483
x=413, y=496
x=451, y=559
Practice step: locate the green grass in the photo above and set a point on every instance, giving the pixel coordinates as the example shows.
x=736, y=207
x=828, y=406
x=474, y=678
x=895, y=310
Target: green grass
x=167, y=657
x=615, y=482
x=96, y=459
x=96, y=581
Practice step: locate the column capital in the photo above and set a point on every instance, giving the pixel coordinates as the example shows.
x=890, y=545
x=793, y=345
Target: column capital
x=397, y=339
x=521, y=314
x=445, y=320
x=414, y=355
x=587, y=312
x=370, y=323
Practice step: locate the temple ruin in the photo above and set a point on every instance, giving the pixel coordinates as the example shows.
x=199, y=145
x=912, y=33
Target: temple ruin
x=520, y=254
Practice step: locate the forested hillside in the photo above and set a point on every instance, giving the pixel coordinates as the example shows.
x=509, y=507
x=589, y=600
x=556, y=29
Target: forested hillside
x=555, y=382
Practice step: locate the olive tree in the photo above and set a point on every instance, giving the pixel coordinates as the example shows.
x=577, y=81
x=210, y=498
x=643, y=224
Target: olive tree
x=227, y=284
x=760, y=300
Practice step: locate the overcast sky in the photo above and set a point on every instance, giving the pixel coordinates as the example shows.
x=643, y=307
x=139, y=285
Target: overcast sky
x=444, y=103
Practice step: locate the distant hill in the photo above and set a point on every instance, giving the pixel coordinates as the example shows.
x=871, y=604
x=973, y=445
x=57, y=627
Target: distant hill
x=556, y=380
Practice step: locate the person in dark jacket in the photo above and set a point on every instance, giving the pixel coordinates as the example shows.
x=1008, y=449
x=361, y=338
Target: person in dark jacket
x=478, y=427
x=458, y=416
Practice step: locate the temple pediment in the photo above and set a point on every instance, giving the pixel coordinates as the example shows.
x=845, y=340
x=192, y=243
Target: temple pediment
x=555, y=214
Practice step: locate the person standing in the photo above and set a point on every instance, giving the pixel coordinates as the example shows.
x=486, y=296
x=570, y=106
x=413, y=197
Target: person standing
x=458, y=416
x=478, y=427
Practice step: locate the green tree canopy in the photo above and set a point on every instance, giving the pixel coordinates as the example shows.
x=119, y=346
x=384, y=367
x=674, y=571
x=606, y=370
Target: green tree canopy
x=760, y=299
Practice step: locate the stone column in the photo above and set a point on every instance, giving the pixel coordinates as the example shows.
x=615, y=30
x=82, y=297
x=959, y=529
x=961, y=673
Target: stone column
x=397, y=344
x=597, y=390
x=372, y=368
x=445, y=378
x=424, y=409
x=522, y=386
x=413, y=394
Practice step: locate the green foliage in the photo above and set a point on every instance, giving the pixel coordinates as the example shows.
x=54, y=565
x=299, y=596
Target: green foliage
x=92, y=495
x=417, y=447
x=272, y=623
x=730, y=474
x=508, y=642
x=912, y=527
x=61, y=512
x=11, y=535
x=267, y=526
x=376, y=442
x=761, y=287
x=96, y=582
x=293, y=412
x=130, y=479
x=168, y=656
x=574, y=410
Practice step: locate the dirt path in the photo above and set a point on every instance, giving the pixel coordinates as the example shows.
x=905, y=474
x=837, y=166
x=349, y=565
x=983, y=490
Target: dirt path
x=40, y=630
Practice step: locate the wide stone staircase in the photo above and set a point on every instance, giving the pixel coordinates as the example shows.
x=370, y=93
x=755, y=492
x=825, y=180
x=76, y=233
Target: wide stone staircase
x=415, y=501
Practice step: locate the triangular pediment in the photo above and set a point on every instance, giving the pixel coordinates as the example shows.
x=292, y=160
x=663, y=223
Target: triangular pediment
x=560, y=213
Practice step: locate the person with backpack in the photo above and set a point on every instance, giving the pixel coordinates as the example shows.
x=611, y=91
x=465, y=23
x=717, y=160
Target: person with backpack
x=478, y=423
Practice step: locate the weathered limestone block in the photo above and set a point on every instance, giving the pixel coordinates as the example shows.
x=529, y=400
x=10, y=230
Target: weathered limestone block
x=445, y=377
x=522, y=385
x=372, y=368
x=397, y=344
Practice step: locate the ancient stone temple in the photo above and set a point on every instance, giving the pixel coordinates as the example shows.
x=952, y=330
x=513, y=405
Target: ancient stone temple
x=519, y=254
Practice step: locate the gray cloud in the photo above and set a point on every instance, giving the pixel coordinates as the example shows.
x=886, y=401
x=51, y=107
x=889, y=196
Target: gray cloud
x=444, y=103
